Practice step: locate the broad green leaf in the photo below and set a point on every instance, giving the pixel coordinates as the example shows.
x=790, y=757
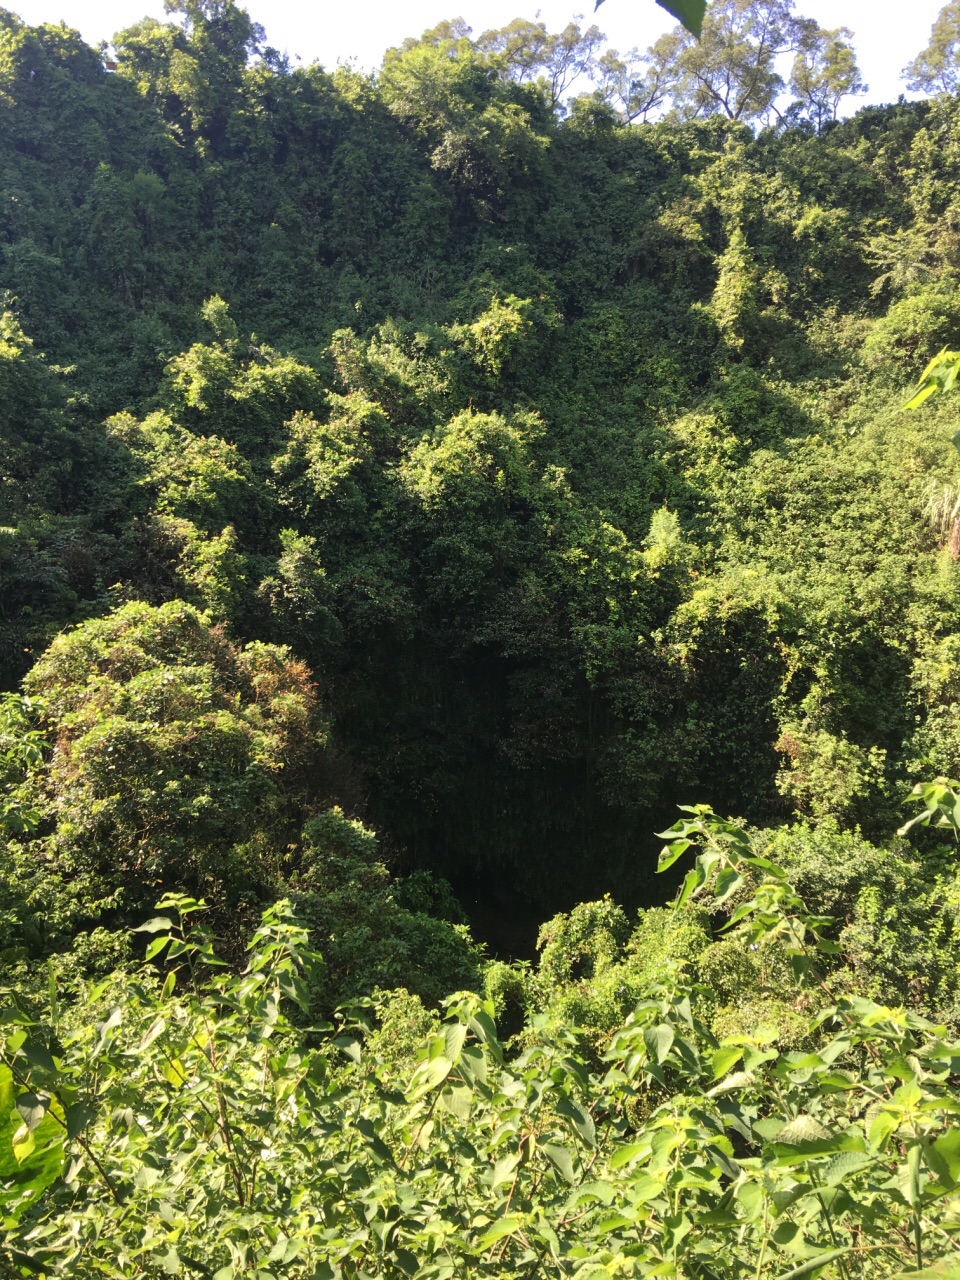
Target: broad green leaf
x=739, y=1080
x=174, y=1073
x=908, y=1094
x=722, y=1059
x=591, y=1192
x=377, y=1145
x=803, y=1129
x=484, y=1028
x=112, y=1020
x=690, y=882
x=38, y=1055
x=750, y=1196
x=77, y=1118
x=789, y=1237
x=581, y=1120
x=741, y=913
x=561, y=1158
x=881, y=1126
x=789, y=1154
x=407, y=1262
x=32, y=1108
x=156, y=925
x=457, y=1099
x=156, y=1028
x=472, y=1065
x=671, y=852
x=645, y=1188
x=155, y=947
x=24, y=1179
x=943, y=1156
x=170, y=1261
x=728, y=881
x=919, y=397
x=23, y=1144
x=503, y=1170
x=348, y=1044
x=428, y=1075
x=623, y=1155
x=659, y=1040
x=614, y=1222
x=842, y=1165
x=500, y=1230
x=454, y=1034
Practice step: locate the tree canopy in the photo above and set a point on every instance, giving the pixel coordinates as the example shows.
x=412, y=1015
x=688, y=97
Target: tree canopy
x=936, y=69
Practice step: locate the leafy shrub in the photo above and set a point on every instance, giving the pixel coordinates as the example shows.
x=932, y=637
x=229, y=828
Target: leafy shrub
x=181, y=760
x=252, y=1146
x=913, y=331
x=897, y=912
x=367, y=938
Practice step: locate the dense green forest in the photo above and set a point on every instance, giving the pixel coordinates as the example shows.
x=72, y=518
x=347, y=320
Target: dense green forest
x=413, y=488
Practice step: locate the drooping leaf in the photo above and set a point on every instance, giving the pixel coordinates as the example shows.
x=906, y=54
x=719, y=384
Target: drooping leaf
x=157, y=925
x=943, y=1156
x=723, y=1059
x=842, y=1165
x=581, y=1120
x=32, y=1108
x=803, y=1129
x=500, y=1230
x=25, y=1175
x=688, y=12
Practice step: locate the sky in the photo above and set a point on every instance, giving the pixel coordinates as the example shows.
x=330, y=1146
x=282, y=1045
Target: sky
x=887, y=33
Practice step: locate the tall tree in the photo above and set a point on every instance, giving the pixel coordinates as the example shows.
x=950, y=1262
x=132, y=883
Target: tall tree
x=824, y=72
x=936, y=69
x=639, y=87
x=527, y=51
x=732, y=69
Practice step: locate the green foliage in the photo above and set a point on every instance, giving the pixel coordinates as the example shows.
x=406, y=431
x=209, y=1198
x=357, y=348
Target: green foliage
x=897, y=909
x=21, y=751
x=827, y=775
x=571, y=468
x=825, y=71
x=370, y=931
x=566, y=457
x=939, y=376
x=181, y=760
x=914, y=330
x=934, y=70
x=689, y=12
x=192, y=1125
x=731, y=68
